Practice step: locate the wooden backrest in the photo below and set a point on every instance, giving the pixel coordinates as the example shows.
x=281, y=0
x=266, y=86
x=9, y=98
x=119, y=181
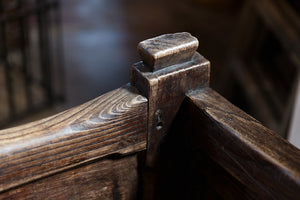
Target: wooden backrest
x=173, y=138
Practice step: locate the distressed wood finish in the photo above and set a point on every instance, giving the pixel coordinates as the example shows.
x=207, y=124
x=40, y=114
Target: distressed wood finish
x=174, y=69
x=256, y=157
x=103, y=179
x=114, y=123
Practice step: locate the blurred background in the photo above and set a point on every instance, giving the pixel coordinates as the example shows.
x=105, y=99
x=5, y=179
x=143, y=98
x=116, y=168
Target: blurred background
x=58, y=54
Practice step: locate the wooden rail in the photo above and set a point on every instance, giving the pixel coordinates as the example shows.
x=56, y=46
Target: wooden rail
x=114, y=123
x=259, y=159
x=216, y=151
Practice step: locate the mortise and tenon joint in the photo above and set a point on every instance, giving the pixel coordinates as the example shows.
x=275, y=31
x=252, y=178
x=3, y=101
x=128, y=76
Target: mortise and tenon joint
x=170, y=67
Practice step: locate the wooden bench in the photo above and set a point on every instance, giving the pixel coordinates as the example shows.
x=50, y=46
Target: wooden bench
x=166, y=135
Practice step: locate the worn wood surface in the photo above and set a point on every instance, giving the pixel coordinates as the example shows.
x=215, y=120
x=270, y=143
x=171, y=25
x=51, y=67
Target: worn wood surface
x=166, y=88
x=114, y=123
x=198, y=144
x=166, y=50
x=256, y=157
x=103, y=179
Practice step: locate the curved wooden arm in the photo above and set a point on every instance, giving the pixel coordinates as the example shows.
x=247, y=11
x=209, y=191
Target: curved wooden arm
x=114, y=123
x=267, y=165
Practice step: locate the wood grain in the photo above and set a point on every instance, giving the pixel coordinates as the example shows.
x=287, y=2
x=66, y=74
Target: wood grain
x=169, y=68
x=104, y=179
x=114, y=123
x=166, y=90
x=258, y=158
x=168, y=49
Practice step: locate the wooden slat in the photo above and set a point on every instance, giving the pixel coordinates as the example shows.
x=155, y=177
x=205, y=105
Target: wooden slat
x=105, y=179
x=258, y=158
x=114, y=123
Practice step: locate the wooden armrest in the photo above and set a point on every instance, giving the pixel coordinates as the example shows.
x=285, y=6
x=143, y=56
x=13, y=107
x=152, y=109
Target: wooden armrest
x=259, y=159
x=114, y=123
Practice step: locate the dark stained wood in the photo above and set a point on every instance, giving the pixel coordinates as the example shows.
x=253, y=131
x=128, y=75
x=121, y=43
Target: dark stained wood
x=255, y=156
x=104, y=179
x=166, y=50
x=222, y=184
x=184, y=142
x=166, y=88
x=114, y=123
x=183, y=169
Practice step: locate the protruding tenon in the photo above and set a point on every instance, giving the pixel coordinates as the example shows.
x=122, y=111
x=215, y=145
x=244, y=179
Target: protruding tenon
x=167, y=50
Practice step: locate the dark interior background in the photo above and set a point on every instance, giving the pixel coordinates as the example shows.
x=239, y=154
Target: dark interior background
x=100, y=37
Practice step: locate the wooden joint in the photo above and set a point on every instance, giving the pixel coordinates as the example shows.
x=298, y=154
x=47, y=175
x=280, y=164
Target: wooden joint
x=169, y=68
